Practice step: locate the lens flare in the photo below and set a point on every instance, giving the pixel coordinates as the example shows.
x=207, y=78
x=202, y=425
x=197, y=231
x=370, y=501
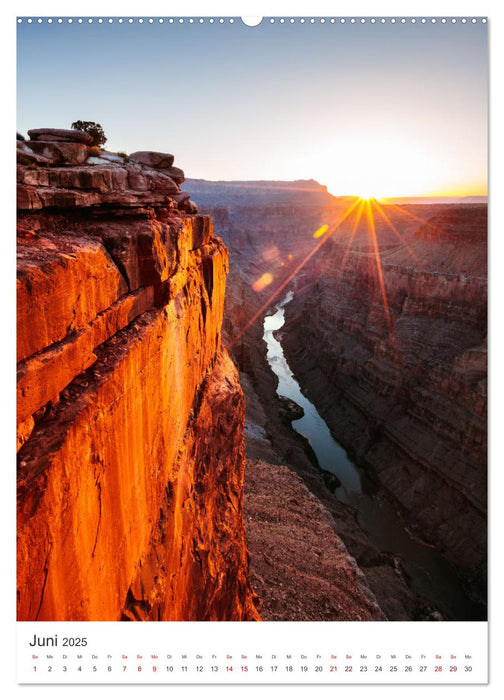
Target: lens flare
x=331, y=231
x=372, y=231
x=320, y=231
x=264, y=281
x=387, y=220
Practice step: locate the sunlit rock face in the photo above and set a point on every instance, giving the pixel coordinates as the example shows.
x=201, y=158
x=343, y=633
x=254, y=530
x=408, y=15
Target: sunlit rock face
x=130, y=412
x=392, y=346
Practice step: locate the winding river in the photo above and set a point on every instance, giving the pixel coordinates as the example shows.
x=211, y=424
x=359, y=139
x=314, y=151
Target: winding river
x=430, y=576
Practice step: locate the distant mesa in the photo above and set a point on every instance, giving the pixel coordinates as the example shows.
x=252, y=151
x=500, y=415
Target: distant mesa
x=260, y=192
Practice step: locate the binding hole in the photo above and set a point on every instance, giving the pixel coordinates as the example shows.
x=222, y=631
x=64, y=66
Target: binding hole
x=252, y=21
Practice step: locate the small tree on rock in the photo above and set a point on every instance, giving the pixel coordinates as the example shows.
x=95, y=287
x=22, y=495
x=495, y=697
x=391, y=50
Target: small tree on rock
x=93, y=129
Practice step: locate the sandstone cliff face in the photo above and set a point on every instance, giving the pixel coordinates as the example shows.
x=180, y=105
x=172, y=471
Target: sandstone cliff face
x=407, y=398
x=130, y=413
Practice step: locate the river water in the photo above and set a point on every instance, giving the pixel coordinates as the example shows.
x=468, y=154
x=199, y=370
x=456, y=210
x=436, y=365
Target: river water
x=430, y=576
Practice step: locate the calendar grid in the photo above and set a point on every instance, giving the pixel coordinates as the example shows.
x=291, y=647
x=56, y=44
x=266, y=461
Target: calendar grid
x=195, y=652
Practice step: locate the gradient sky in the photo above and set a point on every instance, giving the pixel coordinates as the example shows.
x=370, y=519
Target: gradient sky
x=367, y=109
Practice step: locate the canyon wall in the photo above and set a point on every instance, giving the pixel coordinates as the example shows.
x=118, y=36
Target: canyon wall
x=407, y=399
x=271, y=240
x=130, y=412
x=393, y=350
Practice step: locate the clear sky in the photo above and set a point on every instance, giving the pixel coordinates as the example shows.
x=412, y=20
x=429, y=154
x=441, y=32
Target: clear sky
x=367, y=109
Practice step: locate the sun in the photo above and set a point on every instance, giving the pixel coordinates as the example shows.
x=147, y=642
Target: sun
x=366, y=195
x=370, y=195
x=377, y=166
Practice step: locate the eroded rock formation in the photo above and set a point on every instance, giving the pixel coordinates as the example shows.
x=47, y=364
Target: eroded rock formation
x=130, y=412
x=407, y=394
x=412, y=414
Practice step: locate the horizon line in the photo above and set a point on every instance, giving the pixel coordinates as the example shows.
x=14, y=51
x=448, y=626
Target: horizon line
x=260, y=183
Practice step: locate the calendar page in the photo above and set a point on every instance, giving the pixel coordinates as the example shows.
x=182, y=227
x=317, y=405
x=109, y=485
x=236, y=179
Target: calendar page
x=251, y=349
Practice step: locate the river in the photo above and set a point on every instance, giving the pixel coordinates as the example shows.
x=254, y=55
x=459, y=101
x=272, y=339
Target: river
x=430, y=576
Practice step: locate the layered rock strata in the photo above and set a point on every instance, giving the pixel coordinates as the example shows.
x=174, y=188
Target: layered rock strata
x=443, y=261
x=270, y=439
x=97, y=179
x=401, y=378
x=130, y=412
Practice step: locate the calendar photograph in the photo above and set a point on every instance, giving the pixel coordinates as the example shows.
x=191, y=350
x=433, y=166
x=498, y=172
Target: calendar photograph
x=251, y=320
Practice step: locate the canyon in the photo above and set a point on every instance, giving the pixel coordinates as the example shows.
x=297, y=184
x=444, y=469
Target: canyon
x=134, y=493
x=408, y=398
x=160, y=473
x=386, y=335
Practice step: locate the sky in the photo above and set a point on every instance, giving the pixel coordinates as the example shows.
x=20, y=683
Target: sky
x=384, y=110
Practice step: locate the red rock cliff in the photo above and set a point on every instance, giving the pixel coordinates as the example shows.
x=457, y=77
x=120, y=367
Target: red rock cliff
x=130, y=413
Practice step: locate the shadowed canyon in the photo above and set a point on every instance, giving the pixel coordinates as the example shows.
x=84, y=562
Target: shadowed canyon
x=384, y=333
x=267, y=405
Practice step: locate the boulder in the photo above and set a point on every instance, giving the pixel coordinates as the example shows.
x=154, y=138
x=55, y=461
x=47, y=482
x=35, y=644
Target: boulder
x=176, y=174
x=59, y=152
x=153, y=159
x=67, y=135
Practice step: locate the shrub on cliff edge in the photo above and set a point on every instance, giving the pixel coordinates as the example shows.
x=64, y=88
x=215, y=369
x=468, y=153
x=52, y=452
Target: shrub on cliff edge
x=93, y=129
